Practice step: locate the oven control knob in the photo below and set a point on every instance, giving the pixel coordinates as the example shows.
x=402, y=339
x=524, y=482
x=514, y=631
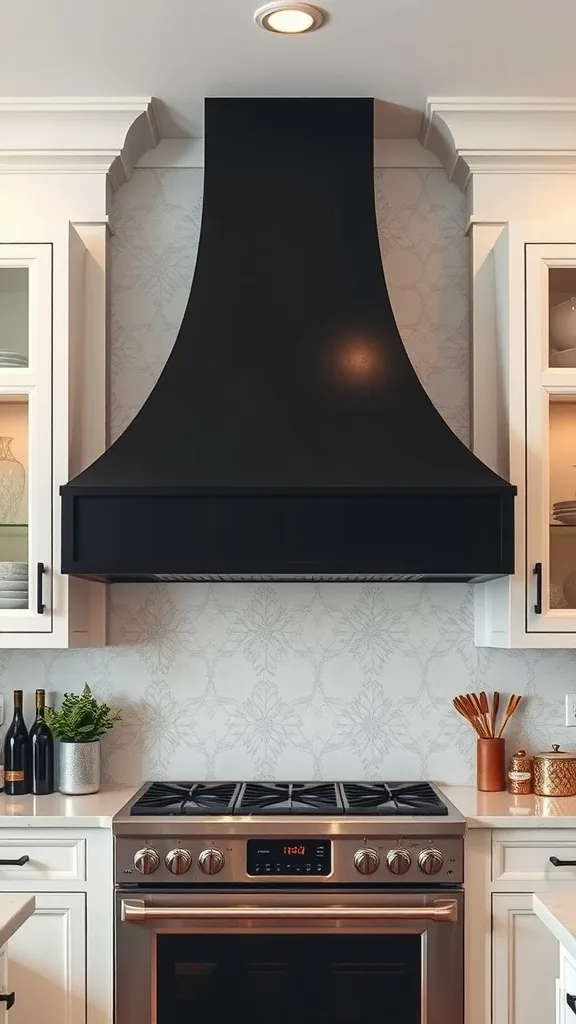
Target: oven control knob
x=430, y=861
x=398, y=861
x=146, y=861
x=178, y=861
x=211, y=861
x=366, y=861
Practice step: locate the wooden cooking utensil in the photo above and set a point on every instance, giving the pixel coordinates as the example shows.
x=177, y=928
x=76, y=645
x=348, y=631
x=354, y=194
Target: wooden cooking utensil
x=495, y=706
x=476, y=710
x=476, y=702
x=461, y=708
x=486, y=713
x=511, y=707
x=474, y=717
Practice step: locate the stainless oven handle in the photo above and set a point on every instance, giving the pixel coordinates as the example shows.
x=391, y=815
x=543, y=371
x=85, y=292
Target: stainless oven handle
x=138, y=911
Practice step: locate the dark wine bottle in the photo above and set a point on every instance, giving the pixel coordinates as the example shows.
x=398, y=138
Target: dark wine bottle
x=41, y=751
x=16, y=771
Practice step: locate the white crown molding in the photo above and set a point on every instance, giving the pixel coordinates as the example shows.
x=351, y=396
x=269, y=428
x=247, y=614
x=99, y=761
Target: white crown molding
x=178, y=153
x=75, y=136
x=499, y=135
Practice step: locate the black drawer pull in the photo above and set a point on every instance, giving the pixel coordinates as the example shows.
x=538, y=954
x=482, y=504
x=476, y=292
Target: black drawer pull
x=19, y=863
x=562, y=863
x=538, y=575
x=571, y=1000
x=9, y=998
x=40, y=570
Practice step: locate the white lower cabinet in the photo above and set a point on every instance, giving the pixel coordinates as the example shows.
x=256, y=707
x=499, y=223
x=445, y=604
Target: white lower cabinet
x=3, y=983
x=47, y=962
x=60, y=962
x=512, y=974
x=566, y=990
x=524, y=962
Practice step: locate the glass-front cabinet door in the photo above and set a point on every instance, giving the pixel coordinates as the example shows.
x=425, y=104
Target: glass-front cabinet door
x=551, y=437
x=25, y=438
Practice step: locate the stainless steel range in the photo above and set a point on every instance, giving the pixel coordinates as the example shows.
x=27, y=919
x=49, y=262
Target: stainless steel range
x=312, y=902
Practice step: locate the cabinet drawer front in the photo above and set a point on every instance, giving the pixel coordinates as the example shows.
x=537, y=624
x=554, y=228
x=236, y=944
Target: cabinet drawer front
x=57, y=860
x=518, y=858
x=568, y=986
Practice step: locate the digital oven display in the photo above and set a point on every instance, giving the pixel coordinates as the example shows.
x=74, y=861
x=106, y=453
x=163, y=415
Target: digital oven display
x=283, y=857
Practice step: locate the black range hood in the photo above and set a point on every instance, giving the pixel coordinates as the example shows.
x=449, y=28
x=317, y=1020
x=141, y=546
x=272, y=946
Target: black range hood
x=288, y=436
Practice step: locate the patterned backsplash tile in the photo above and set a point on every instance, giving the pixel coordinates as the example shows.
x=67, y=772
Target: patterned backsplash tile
x=295, y=680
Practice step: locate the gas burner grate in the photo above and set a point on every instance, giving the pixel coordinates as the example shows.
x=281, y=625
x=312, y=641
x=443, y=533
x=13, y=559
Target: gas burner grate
x=389, y=798
x=175, y=798
x=162, y=799
x=289, y=798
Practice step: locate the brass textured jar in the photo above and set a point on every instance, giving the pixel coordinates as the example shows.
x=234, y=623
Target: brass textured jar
x=555, y=773
x=520, y=771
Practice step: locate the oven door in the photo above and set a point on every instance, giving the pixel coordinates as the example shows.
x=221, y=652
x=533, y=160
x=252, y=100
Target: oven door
x=312, y=958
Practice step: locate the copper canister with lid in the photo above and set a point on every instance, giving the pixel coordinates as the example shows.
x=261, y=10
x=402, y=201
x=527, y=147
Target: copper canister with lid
x=520, y=772
x=555, y=773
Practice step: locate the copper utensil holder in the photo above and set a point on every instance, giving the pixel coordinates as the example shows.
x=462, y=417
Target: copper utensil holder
x=490, y=765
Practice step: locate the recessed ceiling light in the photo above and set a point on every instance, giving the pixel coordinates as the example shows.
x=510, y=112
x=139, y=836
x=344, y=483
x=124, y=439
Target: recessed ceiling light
x=289, y=18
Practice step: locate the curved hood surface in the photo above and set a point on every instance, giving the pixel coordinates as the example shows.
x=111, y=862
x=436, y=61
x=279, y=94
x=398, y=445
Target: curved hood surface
x=288, y=436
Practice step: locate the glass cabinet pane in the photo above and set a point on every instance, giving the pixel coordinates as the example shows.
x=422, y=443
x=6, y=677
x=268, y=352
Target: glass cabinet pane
x=14, y=446
x=562, y=440
x=562, y=316
x=14, y=301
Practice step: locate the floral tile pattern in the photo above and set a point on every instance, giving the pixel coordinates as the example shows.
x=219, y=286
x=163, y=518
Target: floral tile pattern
x=295, y=680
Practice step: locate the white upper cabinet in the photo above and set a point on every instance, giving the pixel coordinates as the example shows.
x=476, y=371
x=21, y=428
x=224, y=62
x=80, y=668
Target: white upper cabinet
x=532, y=438
x=551, y=436
x=60, y=161
x=52, y=381
x=25, y=438
x=515, y=160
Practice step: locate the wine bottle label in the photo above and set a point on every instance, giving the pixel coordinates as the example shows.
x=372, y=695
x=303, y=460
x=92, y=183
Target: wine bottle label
x=14, y=776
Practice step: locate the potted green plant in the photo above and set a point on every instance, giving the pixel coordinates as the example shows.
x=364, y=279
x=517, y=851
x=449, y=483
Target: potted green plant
x=79, y=724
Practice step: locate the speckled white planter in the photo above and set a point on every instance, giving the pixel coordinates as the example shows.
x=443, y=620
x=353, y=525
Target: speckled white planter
x=79, y=768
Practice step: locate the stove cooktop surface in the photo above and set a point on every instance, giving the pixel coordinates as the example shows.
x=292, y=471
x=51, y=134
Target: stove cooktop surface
x=164, y=799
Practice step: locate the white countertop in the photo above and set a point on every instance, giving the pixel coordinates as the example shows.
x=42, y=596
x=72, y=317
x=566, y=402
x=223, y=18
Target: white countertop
x=59, y=811
x=503, y=810
x=481, y=810
x=15, y=909
x=558, y=912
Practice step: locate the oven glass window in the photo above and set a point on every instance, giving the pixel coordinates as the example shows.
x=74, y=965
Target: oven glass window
x=289, y=979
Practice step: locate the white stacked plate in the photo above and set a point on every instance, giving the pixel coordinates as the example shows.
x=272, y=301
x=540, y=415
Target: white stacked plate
x=12, y=358
x=13, y=585
x=564, y=512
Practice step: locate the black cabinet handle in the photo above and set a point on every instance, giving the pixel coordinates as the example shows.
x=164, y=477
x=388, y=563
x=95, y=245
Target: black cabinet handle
x=19, y=863
x=538, y=575
x=9, y=998
x=571, y=1000
x=40, y=570
x=562, y=863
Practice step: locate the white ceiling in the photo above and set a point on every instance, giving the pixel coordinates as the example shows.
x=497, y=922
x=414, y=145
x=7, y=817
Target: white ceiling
x=399, y=51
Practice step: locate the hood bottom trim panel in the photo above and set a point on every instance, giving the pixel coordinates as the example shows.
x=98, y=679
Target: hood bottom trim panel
x=385, y=537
